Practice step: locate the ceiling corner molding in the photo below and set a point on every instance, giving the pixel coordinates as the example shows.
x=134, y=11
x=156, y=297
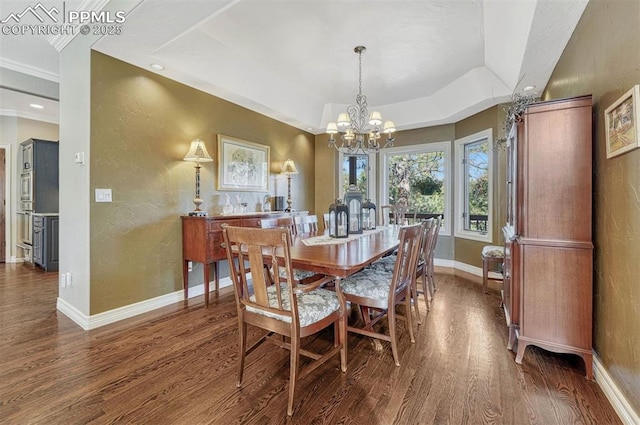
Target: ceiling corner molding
x=29, y=70
x=34, y=117
x=61, y=40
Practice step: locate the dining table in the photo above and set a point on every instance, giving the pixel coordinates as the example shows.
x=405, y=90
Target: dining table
x=340, y=258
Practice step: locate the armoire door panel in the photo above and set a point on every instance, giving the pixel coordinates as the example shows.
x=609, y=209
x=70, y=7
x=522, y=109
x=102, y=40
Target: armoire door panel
x=557, y=281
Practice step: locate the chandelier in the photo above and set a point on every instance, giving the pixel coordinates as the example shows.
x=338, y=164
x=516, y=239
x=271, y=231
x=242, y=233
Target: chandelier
x=360, y=133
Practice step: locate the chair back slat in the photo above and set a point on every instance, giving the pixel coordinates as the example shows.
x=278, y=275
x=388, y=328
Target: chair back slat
x=280, y=222
x=427, y=235
x=259, y=249
x=256, y=262
x=406, y=260
x=325, y=221
x=306, y=223
x=434, y=236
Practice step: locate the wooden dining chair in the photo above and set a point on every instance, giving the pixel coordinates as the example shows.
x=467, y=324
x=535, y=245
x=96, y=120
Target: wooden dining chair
x=431, y=281
x=387, y=212
x=325, y=221
x=422, y=267
x=306, y=223
x=289, y=223
x=378, y=292
x=279, y=222
x=398, y=213
x=286, y=309
x=386, y=265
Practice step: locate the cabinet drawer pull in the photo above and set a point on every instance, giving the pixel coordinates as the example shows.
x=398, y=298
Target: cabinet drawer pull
x=223, y=245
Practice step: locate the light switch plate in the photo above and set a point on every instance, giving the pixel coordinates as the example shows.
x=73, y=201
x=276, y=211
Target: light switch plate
x=103, y=195
x=79, y=158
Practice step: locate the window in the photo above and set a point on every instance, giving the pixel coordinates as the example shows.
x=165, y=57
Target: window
x=474, y=194
x=419, y=173
x=364, y=174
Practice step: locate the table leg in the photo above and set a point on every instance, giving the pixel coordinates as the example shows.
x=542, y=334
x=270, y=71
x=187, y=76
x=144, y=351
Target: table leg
x=185, y=278
x=206, y=284
x=217, y=277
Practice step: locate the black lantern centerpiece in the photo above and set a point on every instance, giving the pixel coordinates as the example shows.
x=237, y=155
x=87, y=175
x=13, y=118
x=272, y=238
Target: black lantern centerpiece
x=338, y=220
x=368, y=215
x=353, y=198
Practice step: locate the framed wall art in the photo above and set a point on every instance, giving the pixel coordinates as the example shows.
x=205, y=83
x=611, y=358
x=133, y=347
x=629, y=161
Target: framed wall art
x=242, y=165
x=621, y=123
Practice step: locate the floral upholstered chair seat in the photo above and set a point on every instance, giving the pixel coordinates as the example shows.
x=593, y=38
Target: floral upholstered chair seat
x=298, y=275
x=494, y=251
x=312, y=306
x=368, y=283
x=385, y=264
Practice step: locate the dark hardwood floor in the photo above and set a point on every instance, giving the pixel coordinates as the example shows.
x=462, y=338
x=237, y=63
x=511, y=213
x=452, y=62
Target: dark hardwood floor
x=177, y=365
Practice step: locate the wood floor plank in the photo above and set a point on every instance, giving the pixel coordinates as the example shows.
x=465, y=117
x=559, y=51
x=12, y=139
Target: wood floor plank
x=178, y=365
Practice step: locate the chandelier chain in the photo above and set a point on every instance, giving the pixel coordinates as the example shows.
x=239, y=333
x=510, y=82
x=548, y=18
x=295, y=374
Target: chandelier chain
x=360, y=134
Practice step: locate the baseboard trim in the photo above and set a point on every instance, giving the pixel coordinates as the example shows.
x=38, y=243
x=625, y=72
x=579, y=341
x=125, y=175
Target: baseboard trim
x=131, y=310
x=121, y=313
x=617, y=399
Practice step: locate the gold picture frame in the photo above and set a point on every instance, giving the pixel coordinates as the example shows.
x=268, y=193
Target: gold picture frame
x=242, y=165
x=621, y=123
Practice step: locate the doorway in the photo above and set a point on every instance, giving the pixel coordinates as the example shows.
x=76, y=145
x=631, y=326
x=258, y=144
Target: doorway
x=3, y=206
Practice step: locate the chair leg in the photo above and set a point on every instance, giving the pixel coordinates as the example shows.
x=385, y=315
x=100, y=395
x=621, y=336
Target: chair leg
x=392, y=333
x=415, y=296
x=343, y=341
x=293, y=371
x=243, y=348
x=485, y=274
x=428, y=295
x=409, y=317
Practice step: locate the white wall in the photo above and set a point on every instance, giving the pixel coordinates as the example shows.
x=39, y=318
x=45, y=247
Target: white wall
x=75, y=196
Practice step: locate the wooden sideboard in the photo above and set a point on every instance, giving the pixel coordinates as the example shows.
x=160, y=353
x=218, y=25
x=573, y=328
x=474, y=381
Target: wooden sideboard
x=548, y=294
x=202, y=242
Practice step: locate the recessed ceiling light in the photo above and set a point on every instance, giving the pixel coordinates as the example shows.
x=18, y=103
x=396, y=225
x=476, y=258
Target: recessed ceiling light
x=157, y=66
x=309, y=128
x=528, y=88
x=36, y=106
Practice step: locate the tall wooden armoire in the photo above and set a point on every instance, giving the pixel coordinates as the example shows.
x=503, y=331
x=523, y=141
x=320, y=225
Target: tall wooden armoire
x=548, y=293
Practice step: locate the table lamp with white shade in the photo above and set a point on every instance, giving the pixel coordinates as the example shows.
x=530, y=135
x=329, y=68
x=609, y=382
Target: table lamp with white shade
x=288, y=169
x=198, y=153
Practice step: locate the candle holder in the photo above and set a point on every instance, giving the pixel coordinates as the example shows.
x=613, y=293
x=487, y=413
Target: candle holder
x=338, y=220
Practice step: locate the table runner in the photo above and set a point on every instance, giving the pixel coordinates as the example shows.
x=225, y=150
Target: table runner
x=328, y=240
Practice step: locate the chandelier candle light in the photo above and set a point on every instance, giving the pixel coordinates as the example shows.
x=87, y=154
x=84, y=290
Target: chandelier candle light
x=198, y=153
x=288, y=169
x=359, y=131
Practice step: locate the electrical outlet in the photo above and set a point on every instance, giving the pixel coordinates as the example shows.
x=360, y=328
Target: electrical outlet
x=63, y=280
x=190, y=266
x=69, y=279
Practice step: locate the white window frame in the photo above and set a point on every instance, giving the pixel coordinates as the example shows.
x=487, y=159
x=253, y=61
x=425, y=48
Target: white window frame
x=418, y=149
x=460, y=144
x=371, y=178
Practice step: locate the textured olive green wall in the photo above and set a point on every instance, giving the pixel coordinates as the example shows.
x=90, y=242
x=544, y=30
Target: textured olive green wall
x=141, y=126
x=603, y=58
x=326, y=161
x=468, y=251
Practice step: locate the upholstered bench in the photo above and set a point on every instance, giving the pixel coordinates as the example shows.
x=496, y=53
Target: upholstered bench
x=492, y=256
